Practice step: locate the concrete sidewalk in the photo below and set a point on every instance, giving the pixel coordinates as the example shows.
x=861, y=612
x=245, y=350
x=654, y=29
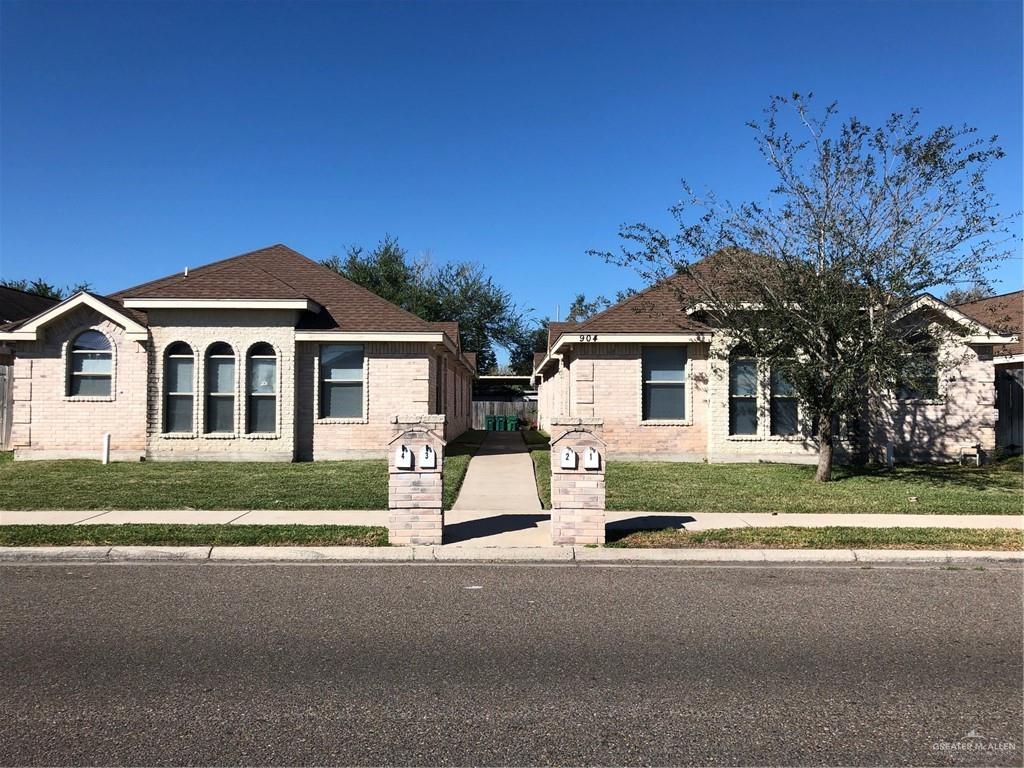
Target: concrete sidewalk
x=505, y=528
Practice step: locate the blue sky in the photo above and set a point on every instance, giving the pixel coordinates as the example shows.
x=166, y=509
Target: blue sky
x=138, y=138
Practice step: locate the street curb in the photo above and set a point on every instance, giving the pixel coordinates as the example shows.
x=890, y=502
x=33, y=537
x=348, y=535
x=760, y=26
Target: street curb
x=452, y=554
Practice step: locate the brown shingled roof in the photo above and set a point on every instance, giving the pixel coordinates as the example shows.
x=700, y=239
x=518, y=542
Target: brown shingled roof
x=1003, y=313
x=18, y=305
x=280, y=272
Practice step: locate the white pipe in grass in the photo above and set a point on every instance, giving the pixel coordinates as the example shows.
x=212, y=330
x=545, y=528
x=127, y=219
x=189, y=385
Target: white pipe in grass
x=106, y=448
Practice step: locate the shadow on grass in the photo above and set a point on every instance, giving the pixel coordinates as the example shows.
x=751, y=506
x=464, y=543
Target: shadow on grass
x=1001, y=475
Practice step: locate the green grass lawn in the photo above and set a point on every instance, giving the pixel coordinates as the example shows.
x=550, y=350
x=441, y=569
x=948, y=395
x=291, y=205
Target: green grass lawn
x=821, y=538
x=662, y=487
x=193, y=485
x=194, y=535
x=539, y=444
x=214, y=485
x=456, y=461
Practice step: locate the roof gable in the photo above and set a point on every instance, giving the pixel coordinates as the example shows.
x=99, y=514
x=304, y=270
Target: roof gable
x=29, y=329
x=278, y=272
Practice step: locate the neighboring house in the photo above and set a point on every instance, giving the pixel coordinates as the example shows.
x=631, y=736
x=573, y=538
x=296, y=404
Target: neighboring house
x=1006, y=313
x=670, y=386
x=266, y=356
x=15, y=305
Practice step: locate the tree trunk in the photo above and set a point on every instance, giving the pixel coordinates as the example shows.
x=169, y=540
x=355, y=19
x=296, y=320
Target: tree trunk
x=825, y=449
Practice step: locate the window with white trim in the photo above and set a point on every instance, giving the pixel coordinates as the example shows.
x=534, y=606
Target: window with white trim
x=220, y=388
x=783, y=406
x=179, y=375
x=91, y=366
x=664, y=383
x=742, y=393
x=920, y=375
x=261, y=406
x=341, y=381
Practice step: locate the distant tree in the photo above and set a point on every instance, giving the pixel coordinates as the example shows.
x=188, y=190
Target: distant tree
x=583, y=309
x=816, y=278
x=459, y=291
x=531, y=338
x=42, y=288
x=975, y=292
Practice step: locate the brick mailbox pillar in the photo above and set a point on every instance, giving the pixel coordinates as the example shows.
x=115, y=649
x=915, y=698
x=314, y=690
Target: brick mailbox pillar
x=577, y=481
x=416, y=480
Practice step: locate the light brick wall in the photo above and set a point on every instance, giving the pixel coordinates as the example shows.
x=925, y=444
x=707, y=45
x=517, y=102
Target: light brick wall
x=577, y=493
x=241, y=329
x=604, y=380
x=47, y=423
x=416, y=494
x=396, y=378
x=964, y=414
x=723, y=447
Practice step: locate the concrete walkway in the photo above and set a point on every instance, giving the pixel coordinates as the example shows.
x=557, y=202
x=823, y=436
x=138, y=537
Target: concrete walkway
x=500, y=478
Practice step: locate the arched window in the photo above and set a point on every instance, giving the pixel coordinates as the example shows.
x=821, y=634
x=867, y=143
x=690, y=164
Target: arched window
x=91, y=366
x=220, y=388
x=179, y=385
x=742, y=393
x=262, y=400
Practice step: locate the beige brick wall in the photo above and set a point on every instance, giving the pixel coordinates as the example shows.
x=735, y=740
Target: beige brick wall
x=577, y=492
x=723, y=447
x=241, y=329
x=604, y=380
x=963, y=414
x=47, y=423
x=416, y=494
x=395, y=381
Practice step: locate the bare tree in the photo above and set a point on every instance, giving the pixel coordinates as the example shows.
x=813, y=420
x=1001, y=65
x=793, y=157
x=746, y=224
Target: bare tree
x=818, y=278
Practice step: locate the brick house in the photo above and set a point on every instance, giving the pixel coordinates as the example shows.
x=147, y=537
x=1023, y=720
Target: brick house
x=266, y=356
x=1006, y=313
x=668, y=386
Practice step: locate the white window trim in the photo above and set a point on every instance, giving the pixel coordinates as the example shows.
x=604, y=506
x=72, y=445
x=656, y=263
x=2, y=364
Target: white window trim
x=763, y=400
x=204, y=377
x=687, y=391
x=276, y=434
x=164, y=393
x=364, y=419
x=66, y=352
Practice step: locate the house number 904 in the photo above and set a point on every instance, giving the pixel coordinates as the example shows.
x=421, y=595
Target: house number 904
x=588, y=337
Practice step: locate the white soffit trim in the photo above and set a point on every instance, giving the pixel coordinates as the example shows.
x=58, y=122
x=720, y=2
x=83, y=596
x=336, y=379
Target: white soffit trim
x=30, y=330
x=142, y=303
x=1004, y=359
x=982, y=331
x=629, y=338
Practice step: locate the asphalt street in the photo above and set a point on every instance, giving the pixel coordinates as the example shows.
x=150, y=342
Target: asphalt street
x=120, y=664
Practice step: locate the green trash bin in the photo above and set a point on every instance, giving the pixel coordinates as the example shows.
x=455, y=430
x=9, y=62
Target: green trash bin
x=512, y=423
x=489, y=423
x=499, y=423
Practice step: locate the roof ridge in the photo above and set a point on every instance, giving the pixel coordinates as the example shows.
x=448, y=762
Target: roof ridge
x=989, y=298
x=365, y=290
x=213, y=266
